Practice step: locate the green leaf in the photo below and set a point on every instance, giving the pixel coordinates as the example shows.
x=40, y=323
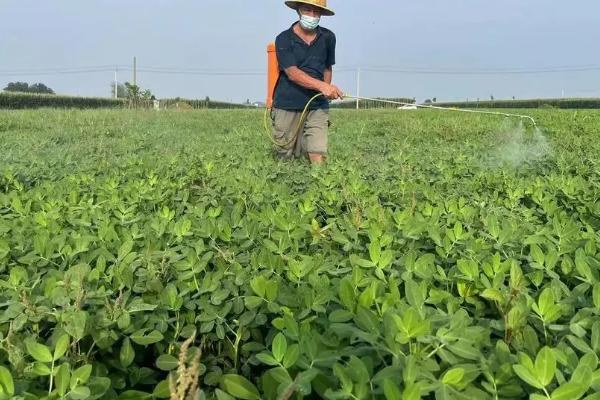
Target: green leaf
x=596, y=295
x=537, y=254
x=535, y=396
x=464, y=349
x=41, y=369
x=253, y=302
x=579, y=344
x=267, y=358
x=346, y=294
x=527, y=376
x=74, y=323
x=140, y=338
x=595, y=396
x=443, y=393
x=134, y=395
x=127, y=353
x=98, y=386
x=545, y=366
x=82, y=393
x=138, y=305
x=595, y=342
x=279, y=347
x=221, y=395
x=239, y=387
x=62, y=345
x=291, y=356
x=414, y=293
x=80, y=375
x=125, y=249
x=280, y=375
x=169, y=296
x=167, y=362
x=453, y=377
x=391, y=391
x=161, y=390
x=271, y=290
x=357, y=370
x=259, y=286
x=458, y=231
x=569, y=391
x=468, y=268
x=339, y=316
x=63, y=376
x=4, y=249
x=589, y=360
x=38, y=351
x=582, y=374
x=386, y=258
x=343, y=377
x=546, y=300
x=492, y=294
x=367, y=320
x=410, y=326
x=412, y=392
x=375, y=251
x=516, y=276
x=360, y=262
x=6, y=382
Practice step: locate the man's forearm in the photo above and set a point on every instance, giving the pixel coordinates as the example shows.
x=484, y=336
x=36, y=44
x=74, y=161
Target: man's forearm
x=328, y=76
x=301, y=78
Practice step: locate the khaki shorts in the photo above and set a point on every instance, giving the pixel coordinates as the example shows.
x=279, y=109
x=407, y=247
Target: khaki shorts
x=311, y=139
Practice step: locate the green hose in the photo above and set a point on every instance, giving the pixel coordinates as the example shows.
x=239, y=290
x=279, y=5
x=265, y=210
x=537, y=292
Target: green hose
x=300, y=124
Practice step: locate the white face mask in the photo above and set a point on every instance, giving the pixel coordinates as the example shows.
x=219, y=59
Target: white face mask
x=309, y=23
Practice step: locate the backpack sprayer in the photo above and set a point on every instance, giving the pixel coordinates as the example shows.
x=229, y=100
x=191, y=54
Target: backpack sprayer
x=273, y=77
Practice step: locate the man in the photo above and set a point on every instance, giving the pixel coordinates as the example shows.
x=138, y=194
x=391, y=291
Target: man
x=306, y=55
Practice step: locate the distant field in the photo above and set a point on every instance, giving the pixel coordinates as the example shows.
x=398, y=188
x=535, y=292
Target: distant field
x=436, y=255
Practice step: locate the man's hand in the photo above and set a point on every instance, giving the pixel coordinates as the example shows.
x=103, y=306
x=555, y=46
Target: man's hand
x=332, y=92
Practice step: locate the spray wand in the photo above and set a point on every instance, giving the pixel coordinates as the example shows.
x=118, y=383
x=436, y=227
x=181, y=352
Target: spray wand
x=509, y=115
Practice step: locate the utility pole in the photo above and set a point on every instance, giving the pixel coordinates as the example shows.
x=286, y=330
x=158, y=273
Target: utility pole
x=357, y=88
x=134, y=71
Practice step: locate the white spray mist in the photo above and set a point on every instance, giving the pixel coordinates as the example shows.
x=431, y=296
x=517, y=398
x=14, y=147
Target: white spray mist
x=515, y=146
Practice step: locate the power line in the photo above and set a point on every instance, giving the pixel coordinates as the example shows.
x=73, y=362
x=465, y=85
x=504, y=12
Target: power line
x=62, y=69
x=478, y=72
x=55, y=72
x=203, y=71
x=260, y=72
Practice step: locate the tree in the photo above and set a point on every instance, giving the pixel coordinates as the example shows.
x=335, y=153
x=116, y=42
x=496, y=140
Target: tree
x=121, y=91
x=133, y=94
x=492, y=97
x=17, y=87
x=147, y=95
x=136, y=96
x=24, y=87
x=40, y=88
x=434, y=99
x=428, y=101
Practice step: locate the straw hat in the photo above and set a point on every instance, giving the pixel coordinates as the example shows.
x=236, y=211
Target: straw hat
x=322, y=4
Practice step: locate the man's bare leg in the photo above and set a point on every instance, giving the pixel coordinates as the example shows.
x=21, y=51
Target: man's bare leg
x=316, y=158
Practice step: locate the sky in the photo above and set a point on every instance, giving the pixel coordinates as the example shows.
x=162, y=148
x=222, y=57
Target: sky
x=224, y=41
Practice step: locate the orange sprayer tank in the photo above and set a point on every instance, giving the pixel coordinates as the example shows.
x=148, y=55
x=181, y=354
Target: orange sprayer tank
x=272, y=73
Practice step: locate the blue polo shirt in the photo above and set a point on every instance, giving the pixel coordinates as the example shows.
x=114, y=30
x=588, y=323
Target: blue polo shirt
x=312, y=59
